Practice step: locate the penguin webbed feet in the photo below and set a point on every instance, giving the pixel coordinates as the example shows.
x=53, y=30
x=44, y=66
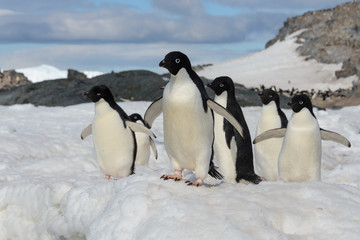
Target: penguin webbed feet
x=196, y=183
x=169, y=176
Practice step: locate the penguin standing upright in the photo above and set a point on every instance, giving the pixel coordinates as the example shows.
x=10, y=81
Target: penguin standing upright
x=267, y=152
x=300, y=155
x=113, y=135
x=143, y=141
x=232, y=151
x=187, y=120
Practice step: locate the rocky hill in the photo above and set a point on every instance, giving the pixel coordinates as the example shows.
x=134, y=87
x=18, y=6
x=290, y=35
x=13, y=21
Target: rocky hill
x=329, y=36
x=136, y=85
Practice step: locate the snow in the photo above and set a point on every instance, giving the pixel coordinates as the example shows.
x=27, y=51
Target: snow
x=281, y=66
x=52, y=188
x=47, y=72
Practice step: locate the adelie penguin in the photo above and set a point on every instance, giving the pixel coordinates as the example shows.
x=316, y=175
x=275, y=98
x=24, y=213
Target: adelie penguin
x=267, y=151
x=113, y=134
x=300, y=155
x=143, y=141
x=232, y=151
x=187, y=120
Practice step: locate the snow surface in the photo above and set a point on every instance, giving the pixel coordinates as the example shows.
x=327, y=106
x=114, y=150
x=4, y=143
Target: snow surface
x=52, y=188
x=281, y=66
x=47, y=72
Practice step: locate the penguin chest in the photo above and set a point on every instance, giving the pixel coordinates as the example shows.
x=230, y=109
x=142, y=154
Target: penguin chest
x=188, y=129
x=300, y=156
x=114, y=144
x=224, y=155
x=267, y=151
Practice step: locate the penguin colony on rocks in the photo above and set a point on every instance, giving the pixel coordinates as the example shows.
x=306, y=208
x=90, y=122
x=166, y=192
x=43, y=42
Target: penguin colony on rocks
x=200, y=132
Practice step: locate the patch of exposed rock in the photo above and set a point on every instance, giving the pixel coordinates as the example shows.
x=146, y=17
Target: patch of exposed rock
x=329, y=36
x=11, y=78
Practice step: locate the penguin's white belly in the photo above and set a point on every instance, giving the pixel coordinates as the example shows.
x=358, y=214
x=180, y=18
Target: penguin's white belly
x=188, y=130
x=300, y=156
x=267, y=151
x=225, y=157
x=114, y=144
x=143, y=149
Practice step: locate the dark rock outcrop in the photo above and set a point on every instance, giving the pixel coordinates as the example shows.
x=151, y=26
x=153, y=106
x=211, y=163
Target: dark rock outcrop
x=329, y=36
x=74, y=74
x=137, y=85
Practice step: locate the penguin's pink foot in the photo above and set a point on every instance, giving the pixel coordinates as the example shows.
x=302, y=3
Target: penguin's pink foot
x=108, y=177
x=176, y=176
x=169, y=176
x=196, y=183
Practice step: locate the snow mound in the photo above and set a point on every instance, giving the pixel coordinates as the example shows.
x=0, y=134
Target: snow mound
x=47, y=72
x=52, y=188
x=281, y=66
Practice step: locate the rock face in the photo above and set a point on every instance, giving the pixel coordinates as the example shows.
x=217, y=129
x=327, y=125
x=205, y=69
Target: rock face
x=73, y=74
x=11, y=78
x=329, y=36
x=136, y=85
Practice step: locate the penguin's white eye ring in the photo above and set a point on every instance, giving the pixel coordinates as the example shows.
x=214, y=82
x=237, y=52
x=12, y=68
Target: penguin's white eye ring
x=221, y=85
x=301, y=102
x=177, y=60
x=98, y=94
x=270, y=96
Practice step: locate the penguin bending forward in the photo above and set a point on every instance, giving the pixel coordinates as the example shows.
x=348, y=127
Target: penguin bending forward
x=300, y=155
x=143, y=142
x=267, y=151
x=187, y=120
x=232, y=151
x=113, y=134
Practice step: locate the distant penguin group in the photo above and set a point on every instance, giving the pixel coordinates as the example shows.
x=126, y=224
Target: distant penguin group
x=200, y=132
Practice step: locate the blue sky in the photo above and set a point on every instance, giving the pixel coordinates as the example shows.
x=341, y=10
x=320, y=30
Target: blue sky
x=105, y=35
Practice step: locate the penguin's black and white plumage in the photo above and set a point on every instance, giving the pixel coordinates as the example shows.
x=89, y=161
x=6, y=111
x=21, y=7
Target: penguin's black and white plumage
x=187, y=120
x=267, y=152
x=113, y=135
x=143, y=141
x=232, y=151
x=300, y=155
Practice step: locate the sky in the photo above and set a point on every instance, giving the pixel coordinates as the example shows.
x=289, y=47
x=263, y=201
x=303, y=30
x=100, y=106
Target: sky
x=115, y=35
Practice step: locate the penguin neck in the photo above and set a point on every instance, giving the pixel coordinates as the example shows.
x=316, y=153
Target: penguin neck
x=303, y=117
x=222, y=99
x=102, y=107
x=270, y=109
x=182, y=75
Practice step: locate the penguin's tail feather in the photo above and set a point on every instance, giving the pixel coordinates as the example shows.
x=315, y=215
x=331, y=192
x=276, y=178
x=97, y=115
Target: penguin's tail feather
x=214, y=172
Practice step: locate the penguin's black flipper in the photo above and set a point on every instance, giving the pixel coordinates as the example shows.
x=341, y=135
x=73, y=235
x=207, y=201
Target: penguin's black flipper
x=153, y=111
x=86, y=132
x=273, y=133
x=153, y=147
x=335, y=137
x=223, y=112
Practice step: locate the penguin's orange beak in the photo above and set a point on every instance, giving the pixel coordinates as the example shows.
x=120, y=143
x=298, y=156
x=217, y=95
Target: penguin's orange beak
x=86, y=94
x=290, y=103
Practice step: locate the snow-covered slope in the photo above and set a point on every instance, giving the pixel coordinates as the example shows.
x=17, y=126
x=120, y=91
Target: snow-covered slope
x=281, y=66
x=52, y=188
x=46, y=72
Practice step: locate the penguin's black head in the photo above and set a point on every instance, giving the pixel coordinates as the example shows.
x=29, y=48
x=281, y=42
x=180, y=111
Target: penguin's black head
x=174, y=61
x=268, y=95
x=98, y=92
x=299, y=102
x=136, y=117
x=221, y=84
